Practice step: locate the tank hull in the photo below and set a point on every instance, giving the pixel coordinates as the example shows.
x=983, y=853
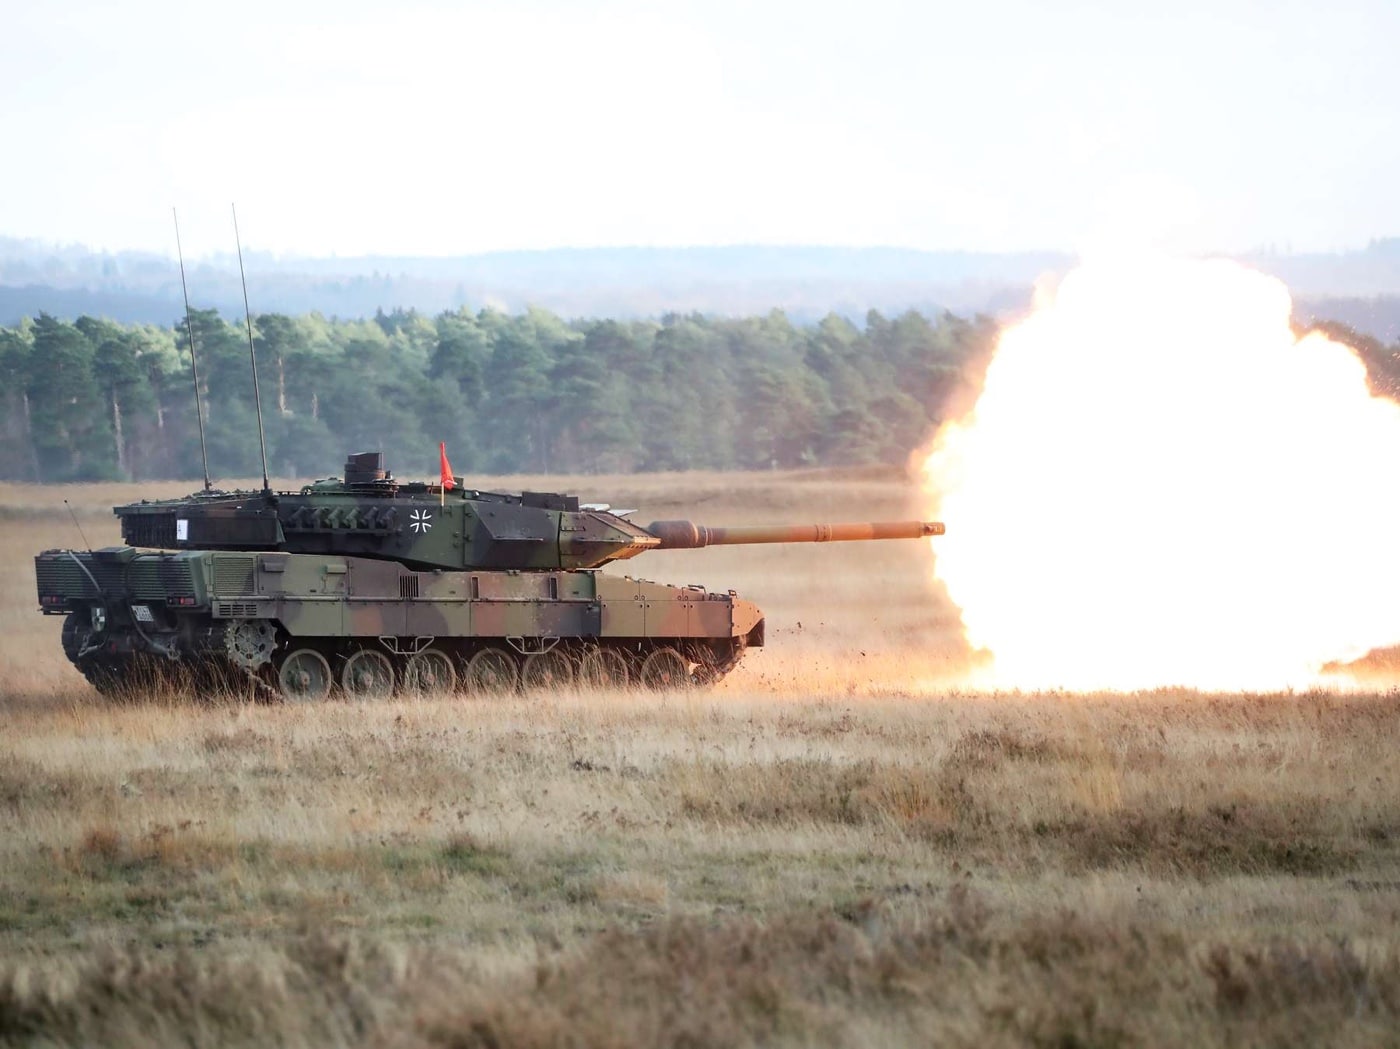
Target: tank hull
x=304, y=625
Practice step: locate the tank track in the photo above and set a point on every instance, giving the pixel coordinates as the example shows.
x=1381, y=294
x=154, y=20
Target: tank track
x=227, y=666
x=122, y=675
x=657, y=666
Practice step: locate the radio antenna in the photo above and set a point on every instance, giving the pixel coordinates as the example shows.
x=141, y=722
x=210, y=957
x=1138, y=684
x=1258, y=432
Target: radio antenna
x=253, y=357
x=194, y=368
x=79, y=528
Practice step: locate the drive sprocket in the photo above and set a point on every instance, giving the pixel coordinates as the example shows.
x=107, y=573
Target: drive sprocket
x=249, y=643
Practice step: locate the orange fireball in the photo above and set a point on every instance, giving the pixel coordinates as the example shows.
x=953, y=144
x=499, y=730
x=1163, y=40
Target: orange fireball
x=1160, y=484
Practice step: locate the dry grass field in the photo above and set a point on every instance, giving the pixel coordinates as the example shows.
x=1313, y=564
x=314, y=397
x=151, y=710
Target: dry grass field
x=837, y=845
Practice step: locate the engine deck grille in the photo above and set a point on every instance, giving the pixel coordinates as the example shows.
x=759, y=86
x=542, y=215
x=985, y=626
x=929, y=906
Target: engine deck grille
x=236, y=609
x=147, y=578
x=63, y=575
x=233, y=574
x=153, y=580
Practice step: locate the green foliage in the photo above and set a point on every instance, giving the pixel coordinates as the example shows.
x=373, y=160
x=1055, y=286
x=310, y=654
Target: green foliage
x=527, y=393
x=69, y=430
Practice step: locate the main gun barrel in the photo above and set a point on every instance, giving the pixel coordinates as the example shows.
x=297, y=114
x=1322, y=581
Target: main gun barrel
x=686, y=535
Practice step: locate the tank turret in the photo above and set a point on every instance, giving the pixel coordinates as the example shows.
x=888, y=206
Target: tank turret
x=370, y=514
x=370, y=584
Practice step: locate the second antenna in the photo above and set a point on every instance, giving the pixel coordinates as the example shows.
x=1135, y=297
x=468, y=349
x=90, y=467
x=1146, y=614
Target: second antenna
x=253, y=357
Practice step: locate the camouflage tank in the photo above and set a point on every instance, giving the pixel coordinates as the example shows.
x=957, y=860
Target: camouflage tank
x=368, y=585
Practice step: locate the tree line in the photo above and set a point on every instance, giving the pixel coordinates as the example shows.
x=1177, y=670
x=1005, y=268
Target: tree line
x=96, y=400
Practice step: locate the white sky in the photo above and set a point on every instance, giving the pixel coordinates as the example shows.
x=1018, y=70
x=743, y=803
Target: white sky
x=420, y=128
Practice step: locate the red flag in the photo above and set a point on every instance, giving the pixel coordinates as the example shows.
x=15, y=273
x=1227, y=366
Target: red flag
x=447, y=483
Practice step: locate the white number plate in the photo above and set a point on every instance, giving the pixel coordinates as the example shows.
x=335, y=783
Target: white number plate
x=142, y=614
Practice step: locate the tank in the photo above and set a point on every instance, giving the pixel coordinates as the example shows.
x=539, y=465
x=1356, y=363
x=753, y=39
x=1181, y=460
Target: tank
x=365, y=585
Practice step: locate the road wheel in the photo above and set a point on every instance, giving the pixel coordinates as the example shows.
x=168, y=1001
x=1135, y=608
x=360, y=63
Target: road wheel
x=367, y=674
x=304, y=676
x=604, y=668
x=548, y=670
x=666, y=669
x=430, y=671
x=492, y=670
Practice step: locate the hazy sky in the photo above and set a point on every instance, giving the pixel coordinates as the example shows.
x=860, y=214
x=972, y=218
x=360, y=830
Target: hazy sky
x=425, y=128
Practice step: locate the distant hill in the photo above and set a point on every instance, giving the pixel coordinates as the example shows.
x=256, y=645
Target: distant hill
x=1377, y=316
x=806, y=282
x=126, y=307
x=1365, y=274
x=1360, y=288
